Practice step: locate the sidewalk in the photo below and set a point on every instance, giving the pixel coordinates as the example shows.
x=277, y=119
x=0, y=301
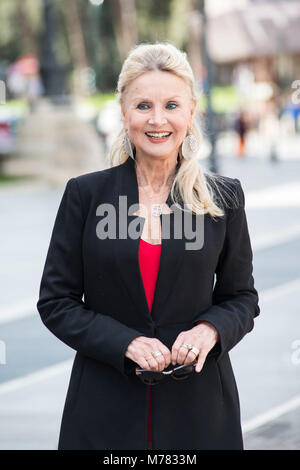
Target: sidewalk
x=31, y=415
x=282, y=433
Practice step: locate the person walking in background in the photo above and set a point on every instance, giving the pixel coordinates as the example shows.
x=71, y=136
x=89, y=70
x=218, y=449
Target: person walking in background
x=153, y=333
x=241, y=128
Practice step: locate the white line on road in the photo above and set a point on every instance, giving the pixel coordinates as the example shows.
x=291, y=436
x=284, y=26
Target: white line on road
x=65, y=367
x=28, y=307
x=271, y=414
x=269, y=240
x=36, y=377
x=274, y=293
x=21, y=309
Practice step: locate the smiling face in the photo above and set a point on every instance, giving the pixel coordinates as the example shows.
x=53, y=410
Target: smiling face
x=157, y=112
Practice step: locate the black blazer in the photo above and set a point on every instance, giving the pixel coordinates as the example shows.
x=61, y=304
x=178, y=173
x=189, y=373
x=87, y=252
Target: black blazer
x=92, y=298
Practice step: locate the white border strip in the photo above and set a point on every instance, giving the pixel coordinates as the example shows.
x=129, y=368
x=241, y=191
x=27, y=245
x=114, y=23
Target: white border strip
x=36, y=377
x=272, y=414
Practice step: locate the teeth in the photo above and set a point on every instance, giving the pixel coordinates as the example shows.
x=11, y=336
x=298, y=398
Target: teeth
x=158, y=135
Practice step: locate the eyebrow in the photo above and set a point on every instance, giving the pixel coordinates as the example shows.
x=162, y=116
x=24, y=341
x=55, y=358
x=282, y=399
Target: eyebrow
x=138, y=98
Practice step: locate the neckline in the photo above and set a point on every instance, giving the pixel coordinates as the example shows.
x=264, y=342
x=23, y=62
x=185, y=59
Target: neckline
x=151, y=244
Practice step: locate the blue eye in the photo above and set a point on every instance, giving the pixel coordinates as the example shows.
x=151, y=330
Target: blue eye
x=172, y=104
x=142, y=104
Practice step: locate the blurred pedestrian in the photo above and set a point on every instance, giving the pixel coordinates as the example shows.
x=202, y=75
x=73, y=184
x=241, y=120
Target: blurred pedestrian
x=241, y=128
x=152, y=335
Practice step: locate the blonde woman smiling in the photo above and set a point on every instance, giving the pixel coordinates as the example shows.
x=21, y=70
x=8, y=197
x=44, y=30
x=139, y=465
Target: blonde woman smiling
x=153, y=332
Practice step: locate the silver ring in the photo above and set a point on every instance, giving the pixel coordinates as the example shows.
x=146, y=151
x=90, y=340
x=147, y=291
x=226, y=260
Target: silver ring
x=157, y=353
x=195, y=350
x=188, y=346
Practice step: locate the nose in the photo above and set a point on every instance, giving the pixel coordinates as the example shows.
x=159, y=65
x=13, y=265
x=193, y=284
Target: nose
x=157, y=117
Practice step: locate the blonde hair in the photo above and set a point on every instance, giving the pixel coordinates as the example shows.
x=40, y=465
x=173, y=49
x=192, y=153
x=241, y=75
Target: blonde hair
x=196, y=189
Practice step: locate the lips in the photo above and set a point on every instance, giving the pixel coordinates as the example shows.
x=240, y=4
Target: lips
x=162, y=135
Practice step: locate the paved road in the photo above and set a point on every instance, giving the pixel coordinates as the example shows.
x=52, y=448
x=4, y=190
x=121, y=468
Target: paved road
x=32, y=400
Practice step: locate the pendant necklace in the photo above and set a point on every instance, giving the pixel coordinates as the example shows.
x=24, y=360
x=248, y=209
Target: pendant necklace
x=156, y=209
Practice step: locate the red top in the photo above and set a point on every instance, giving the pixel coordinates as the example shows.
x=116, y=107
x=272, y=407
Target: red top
x=149, y=259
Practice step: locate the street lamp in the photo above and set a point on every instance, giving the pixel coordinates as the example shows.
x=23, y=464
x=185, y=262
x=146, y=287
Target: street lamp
x=211, y=115
x=51, y=72
x=96, y=3
x=94, y=12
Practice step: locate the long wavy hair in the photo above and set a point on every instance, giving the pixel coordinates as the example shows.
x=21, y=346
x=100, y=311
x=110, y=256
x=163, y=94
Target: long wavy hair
x=202, y=192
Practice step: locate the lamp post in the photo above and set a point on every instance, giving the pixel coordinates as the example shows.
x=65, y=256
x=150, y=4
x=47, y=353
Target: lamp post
x=51, y=72
x=210, y=113
x=94, y=12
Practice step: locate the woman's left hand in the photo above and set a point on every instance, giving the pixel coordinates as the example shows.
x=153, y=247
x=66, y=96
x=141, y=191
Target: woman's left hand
x=203, y=337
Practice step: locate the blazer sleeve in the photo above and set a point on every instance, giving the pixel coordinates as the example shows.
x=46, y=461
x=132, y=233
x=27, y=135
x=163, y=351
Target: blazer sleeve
x=234, y=299
x=60, y=304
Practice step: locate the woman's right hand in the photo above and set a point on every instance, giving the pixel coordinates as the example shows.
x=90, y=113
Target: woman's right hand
x=140, y=351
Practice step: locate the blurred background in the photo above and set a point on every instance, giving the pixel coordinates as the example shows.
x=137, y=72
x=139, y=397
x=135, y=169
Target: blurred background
x=59, y=64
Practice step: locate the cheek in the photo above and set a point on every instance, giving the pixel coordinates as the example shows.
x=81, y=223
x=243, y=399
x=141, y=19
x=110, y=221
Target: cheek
x=136, y=124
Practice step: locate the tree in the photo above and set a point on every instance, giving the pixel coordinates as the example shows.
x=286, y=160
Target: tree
x=76, y=44
x=124, y=12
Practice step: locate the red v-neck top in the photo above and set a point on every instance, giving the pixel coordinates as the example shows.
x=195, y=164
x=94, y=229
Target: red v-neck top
x=149, y=259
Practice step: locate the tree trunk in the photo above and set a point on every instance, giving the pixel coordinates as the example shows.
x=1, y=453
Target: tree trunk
x=28, y=42
x=124, y=12
x=194, y=39
x=77, y=46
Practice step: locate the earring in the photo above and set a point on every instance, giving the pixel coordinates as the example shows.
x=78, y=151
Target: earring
x=127, y=146
x=189, y=146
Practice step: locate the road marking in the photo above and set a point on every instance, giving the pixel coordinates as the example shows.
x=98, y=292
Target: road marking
x=271, y=414
x=278, y=237
x=274, y=293
x=24, y=308
x=277, y=196
x=65, y=367
x=36, y=377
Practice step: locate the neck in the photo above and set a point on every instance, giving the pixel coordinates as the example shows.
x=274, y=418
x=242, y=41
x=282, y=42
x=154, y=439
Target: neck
x=155, y=173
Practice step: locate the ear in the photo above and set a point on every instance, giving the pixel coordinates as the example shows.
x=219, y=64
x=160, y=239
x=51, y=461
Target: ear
x=123, y=114
x=193, y=107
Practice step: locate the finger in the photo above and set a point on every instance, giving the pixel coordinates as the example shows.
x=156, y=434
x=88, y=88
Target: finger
x=163, y=358
x=200, y=361
x=182, y=354
x=175, y=350
x=191, y=356
x=143, y=363
x=166, y=354
x=161, y=362
x=152, y=361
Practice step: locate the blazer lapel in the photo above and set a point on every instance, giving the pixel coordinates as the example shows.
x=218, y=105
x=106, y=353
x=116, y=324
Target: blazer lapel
x=127, y=247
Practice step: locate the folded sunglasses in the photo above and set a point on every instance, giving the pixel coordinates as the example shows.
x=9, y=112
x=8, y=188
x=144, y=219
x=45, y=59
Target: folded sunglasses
x=154, y=377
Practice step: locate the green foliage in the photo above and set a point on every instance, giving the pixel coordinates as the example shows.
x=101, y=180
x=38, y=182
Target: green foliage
x=157, y=20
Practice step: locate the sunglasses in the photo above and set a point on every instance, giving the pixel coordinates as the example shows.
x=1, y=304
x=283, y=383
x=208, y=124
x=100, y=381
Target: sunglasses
x=154, y=377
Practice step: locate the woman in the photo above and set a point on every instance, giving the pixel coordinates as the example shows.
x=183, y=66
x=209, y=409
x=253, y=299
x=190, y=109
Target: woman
x=147, y=277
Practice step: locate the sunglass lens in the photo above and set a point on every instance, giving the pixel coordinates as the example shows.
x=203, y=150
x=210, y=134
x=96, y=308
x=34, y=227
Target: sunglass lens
x=183, y=372
x=151, y=377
